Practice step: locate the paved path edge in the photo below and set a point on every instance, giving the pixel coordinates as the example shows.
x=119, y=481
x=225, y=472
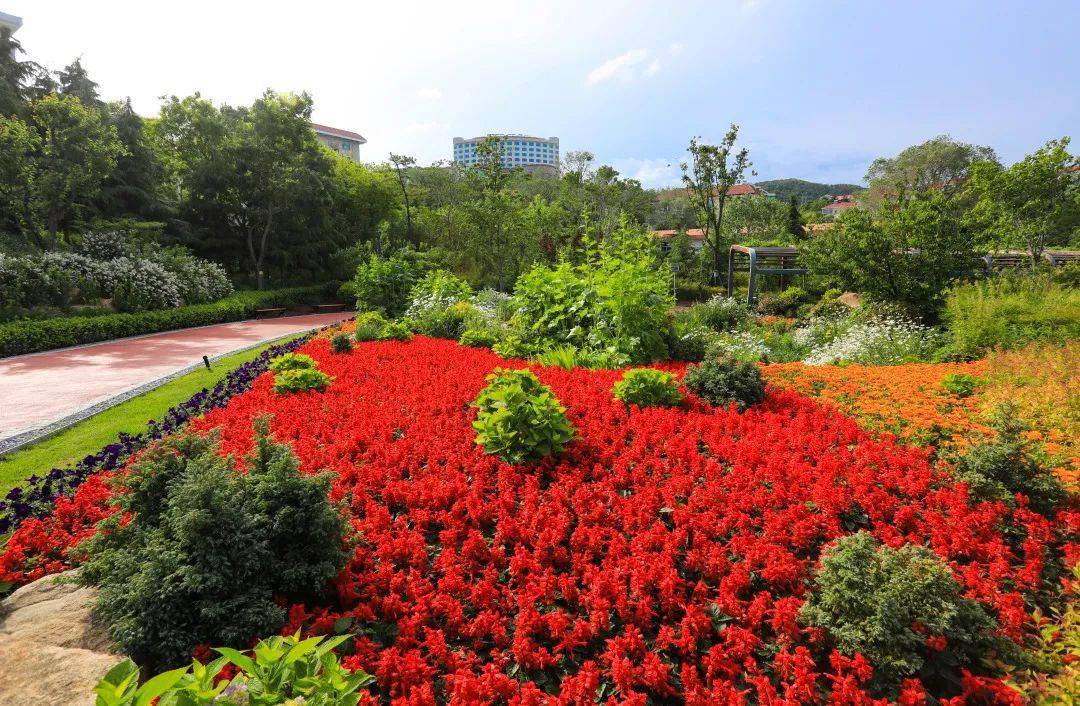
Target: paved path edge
x=26, y=438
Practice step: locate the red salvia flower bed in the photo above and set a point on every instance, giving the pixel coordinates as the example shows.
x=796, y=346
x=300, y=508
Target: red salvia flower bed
x=664, y=557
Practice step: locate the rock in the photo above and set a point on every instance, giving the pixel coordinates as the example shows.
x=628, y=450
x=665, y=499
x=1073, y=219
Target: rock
x=850, y=299
x=52, y=652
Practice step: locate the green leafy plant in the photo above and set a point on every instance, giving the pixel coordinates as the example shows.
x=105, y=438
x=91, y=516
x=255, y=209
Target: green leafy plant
x=565, y=357
x=479, y=338
x=341, y=343
x=206, y=540
x=438, y=305
x=1000, y=468
x=647, y=387
x=300, y=380
x=293, y=361
x=383, y=284
x=519, y=419
x=960, y=384
x=280, y=671
x=724, y=381
x=901, y=609
x=782, y=303
x=720, y=313
x=369, y=326
x=395, y=331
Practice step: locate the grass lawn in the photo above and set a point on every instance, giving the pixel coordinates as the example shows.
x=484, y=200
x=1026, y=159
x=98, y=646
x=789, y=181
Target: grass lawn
x=90, y=435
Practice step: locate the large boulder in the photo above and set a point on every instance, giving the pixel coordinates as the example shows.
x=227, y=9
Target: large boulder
x=52, y=652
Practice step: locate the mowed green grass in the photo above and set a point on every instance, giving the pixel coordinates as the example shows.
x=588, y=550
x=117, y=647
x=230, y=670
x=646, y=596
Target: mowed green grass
x=90, y=435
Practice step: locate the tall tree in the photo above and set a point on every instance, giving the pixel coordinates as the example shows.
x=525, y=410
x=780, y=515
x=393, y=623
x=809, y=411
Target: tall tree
x=133, y=188
x=402, y=164
x=794, y=221
x=940, y=163
x=73, y=80
x=713, y=169
x=1032, y=203
x=15, y=75
x=63, y=155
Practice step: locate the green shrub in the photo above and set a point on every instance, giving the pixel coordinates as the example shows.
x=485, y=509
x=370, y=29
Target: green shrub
x=293, y=361
x=280, y=670
x=511, y=347
x=369, y=326
x=960, y=384
x=437, y=305
x=384, y=284
x=1000, y=468
x=723, y=381
x=341, y=343
x=1010, y=311
x=647, y=387
x=479, y=338
x=721, y=313
x=211, y=555
x=300, y=380
x=873, y=600
x=518, y=419
x=565, y=357
x=18, y=337
x=616, y=300
x=687, y=338
x=782, y=303
x=395, y=331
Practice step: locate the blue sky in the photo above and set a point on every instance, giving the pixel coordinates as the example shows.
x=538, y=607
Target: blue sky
x=819, y=88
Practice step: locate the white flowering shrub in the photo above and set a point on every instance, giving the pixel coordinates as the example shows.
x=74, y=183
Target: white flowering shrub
x=139, y=284
x=878, y=342
x=438, y=305
x=104, y=245
x=741, y=345
x=721, y=313
x=199, y=281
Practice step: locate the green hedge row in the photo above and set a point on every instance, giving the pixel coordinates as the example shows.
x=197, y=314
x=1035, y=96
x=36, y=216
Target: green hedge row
x=18, y=337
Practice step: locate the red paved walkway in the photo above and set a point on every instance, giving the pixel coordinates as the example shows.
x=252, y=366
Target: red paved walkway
x=41, y=388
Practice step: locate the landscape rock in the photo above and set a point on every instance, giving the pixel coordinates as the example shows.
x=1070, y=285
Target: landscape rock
x=52, y=652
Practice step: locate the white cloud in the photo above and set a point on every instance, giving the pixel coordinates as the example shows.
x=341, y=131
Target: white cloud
x=429, y=93
x=620, y=67
x=652, y=173
x=676, y=47
x=654, y=67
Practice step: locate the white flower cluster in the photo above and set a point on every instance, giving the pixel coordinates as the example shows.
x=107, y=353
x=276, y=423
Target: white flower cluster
x=878, y=342
x=741, y=344
x=139, y=284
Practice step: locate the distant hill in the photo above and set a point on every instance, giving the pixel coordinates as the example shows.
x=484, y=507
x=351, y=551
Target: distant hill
x=805, y=190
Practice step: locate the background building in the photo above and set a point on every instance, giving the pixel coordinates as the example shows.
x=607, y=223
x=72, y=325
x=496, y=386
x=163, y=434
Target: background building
x=10, y=22
x=533, y=154
x=341, y=141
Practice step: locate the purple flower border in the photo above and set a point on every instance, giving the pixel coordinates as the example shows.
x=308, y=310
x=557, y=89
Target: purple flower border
x=37, y=497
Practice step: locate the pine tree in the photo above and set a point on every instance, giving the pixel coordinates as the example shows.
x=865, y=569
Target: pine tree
x=795, y=224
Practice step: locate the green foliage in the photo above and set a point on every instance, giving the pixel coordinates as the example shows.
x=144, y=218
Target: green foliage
x=300, y=380
x=384, y=284
x=804, y=191
x=565, y=357
x=438, y=305
x=960, y=384
x=341, y=343
x=687, y=339
x=1002, y=467
x=395, y=331
x=369, y=326
x=909, y=251
x=19, y=337
x=518, y=419
x=479, y=338
x=293, y=361
x=782, y=303
x=280, y=671
x=647, y=387
x=886, y=603
x=615, y=302
x=1008, y=312
x=206, y=540
x=941, y=164
x=724, y=381
x=721, y=313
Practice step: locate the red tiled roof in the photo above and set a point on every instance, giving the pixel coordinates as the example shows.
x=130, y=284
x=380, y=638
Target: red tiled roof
x=744, y=190
x=692, y=233
x=335, y=132
x=839, y=205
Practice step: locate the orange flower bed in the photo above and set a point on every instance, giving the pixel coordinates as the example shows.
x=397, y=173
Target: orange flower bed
x=907, y=401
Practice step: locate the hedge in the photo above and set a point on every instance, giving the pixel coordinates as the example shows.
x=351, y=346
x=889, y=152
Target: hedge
x=18, y=337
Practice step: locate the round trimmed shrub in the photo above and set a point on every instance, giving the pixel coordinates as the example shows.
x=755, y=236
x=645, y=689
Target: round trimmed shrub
x=726, y=380
x=519, y=419
x=341, y=343
x=369, y=326
x=293, y=361
x=647, y=387
x=300, y=380
x=479, y=338
x=395, y=331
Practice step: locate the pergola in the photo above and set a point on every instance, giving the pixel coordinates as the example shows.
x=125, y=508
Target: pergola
x=1019, y=258
x=780, y=261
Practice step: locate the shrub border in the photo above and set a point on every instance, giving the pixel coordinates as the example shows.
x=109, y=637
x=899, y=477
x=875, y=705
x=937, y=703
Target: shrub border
x=35, y=499
x=35, y=336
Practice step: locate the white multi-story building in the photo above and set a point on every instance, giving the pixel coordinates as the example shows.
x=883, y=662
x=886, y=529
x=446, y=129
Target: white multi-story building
x=344, y=142
x=533, y=154
x=10, y=22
